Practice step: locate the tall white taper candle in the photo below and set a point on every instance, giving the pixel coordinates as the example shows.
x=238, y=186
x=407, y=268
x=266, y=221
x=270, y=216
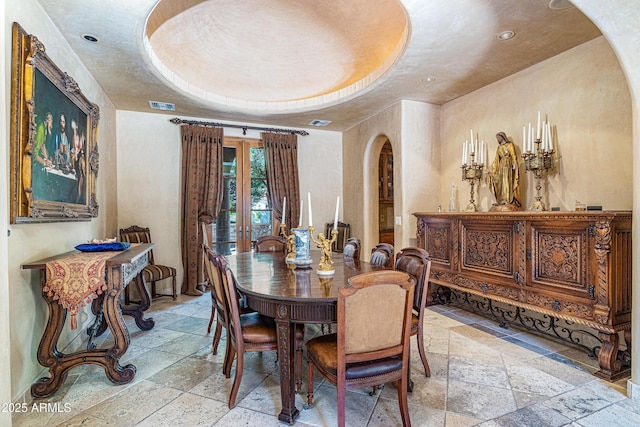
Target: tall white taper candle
x=335, y=219
x=284, y=209
x=301, y=206
x=310, y=213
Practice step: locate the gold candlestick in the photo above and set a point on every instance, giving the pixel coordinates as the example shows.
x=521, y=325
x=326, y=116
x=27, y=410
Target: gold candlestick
x=325, y=266
x=539, y=163
x=472, y=172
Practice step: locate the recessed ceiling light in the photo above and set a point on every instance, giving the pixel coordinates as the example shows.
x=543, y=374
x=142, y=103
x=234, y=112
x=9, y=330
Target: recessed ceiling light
x=428, y=79
x=560, y=4
x=506, y=35
x=90, y=38
x=318, y=122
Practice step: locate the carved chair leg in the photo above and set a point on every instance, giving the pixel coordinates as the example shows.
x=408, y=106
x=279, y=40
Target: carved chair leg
x=298, y=361
x=236, y=380
x=213, y=314
x=216, y=337
x=310, y=369
x=175, y=289
x=423, y=354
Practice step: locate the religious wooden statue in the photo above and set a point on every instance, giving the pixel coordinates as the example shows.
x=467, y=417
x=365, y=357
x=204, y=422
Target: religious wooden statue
x=504, y=180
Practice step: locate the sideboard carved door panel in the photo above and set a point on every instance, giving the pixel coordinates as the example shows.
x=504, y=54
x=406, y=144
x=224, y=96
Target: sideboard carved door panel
x=487, y=247
x=437, y=237
x=560, y=258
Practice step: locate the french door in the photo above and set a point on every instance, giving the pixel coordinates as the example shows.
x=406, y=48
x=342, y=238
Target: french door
x=246, y=212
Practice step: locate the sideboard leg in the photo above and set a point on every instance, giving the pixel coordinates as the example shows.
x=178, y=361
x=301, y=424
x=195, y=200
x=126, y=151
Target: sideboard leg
x=609, y=358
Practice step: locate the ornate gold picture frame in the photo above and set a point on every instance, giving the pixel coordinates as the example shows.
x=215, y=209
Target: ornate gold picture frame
x=54, y=150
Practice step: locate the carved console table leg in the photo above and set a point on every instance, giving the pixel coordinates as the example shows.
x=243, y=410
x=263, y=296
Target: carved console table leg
x=137, y=310
x=48, y=354
x=59, y=363
x=114, y=371
x=134, y=310
x=609, y=358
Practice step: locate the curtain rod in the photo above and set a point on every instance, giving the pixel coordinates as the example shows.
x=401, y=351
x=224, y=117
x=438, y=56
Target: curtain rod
x=177, y=121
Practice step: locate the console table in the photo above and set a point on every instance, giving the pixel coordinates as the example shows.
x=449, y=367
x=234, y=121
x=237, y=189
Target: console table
x=121, y=268
x=574, y=266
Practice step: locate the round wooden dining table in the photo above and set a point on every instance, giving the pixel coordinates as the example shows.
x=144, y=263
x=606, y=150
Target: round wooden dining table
x=290, y=296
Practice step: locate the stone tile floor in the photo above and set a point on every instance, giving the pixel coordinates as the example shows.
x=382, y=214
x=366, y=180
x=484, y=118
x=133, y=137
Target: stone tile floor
x=481, y=375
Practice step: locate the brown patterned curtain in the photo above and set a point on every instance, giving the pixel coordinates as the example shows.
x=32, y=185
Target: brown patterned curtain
x=281, y=163
x=201, y=195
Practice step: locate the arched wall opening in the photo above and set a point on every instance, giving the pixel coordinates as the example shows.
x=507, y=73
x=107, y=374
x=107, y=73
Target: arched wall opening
x=371, y=212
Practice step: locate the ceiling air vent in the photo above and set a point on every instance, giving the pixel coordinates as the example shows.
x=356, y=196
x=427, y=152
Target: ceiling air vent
x=319, y=122
x=165, y=106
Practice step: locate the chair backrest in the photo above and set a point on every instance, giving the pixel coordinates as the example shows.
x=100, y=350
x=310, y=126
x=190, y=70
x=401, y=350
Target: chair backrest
x=217, y=263
x=352, y=249
x=271, y=244
x=382, y=255
x=417, y=263
x=231, y=304
x=135, y=234
x=363, y=337
x=344, y=232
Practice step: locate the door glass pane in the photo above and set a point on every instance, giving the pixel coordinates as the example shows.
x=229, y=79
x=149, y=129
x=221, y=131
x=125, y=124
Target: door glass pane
x=260, y=206
x=224, y=228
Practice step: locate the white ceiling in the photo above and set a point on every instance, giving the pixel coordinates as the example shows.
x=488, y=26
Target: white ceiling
x=288, y=62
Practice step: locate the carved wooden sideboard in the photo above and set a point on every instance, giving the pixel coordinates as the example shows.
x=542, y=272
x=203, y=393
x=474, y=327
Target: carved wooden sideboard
x=574, y=266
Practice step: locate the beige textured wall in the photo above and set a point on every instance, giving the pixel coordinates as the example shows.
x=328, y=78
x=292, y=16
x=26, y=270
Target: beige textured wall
x=361, y=148
x=30, y=242
x=5, y=350
x=412, y=129
x=586, y=97
x=419, y=167
x=149, y=161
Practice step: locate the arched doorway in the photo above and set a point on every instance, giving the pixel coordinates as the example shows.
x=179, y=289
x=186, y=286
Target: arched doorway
x=385, y=195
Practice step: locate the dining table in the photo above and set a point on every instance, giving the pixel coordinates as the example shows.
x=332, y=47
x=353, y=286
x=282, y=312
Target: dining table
x=292, y=295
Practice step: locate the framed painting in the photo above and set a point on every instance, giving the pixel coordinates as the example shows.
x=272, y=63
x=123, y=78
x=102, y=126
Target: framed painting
x=54, y=152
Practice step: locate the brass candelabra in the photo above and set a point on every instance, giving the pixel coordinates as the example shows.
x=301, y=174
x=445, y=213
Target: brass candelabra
x=325, y=266
x=472, y=172
x=539, y=162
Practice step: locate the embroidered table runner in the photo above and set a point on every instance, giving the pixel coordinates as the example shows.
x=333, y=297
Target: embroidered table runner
x=76, y=280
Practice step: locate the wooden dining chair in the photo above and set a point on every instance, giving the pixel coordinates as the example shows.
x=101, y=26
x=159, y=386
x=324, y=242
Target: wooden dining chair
x=344, y=232
x=271, y=244
x=351, y=250
x=153, y=272
x=382, y=255
x=248, y=332
x=216, y=297
x=417, y=263
x=367, y=350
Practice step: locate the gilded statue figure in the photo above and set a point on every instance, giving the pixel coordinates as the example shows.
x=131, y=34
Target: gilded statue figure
x=326, y=263
x=504, y=180
x=291, y=246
